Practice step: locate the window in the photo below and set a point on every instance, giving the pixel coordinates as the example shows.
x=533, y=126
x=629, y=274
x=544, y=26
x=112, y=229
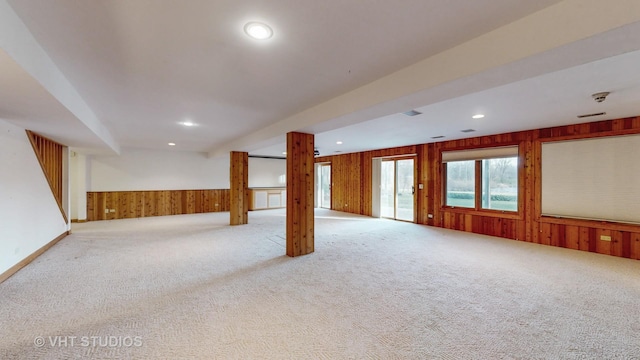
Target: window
x=482, y=179
x=500, y=184
x=461, y=184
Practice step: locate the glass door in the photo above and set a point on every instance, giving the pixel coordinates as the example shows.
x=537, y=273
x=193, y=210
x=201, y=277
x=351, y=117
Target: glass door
x=397, y=189
x=404, y=189
x=388, y=189
x=325, y=186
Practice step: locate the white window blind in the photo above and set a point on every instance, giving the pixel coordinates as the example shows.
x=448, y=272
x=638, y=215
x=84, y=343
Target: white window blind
x=479, y=154
x=597, y=179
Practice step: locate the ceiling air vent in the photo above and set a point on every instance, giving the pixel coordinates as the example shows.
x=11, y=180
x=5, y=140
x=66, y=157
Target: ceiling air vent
x=437, y=137
x=468, y=130
x=591, y=115
x=412, y=113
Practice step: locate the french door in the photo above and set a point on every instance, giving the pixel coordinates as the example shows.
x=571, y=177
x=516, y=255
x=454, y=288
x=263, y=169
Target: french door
x=397, y=189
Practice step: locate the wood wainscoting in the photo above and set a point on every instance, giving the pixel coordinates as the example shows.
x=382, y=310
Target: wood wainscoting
x=113, y=205
x=351, y=191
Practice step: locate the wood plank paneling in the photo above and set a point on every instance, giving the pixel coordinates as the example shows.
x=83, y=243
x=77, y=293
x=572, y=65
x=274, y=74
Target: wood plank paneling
x=50, y=156
x=635, y=246
x=136, y=204
x=572, y=237
x=300, y=190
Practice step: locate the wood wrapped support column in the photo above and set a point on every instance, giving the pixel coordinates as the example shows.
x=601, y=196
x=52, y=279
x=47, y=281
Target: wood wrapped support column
x=300, y=187
x=239, y=192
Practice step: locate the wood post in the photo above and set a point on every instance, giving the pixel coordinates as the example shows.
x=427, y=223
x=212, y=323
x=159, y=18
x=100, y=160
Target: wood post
x=300, y=186
x=239, y=194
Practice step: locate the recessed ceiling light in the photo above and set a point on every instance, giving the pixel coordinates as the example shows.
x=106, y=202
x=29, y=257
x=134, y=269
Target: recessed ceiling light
x=339, y=142
x=437, y=137
x=258, y=30
x=187, y=123
x=478, y=116
x=172, y=144
x=467, y=130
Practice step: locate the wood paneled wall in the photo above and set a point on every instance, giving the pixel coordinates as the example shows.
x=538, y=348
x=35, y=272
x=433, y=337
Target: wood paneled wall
x=351, y=178
x=50, y=157
x=135, y=204
x=527, y=225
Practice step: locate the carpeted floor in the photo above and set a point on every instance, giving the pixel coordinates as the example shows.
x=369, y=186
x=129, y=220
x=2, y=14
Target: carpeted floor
x=192, y=287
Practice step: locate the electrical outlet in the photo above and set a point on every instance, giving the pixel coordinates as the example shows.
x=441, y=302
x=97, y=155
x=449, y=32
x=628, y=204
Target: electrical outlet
x=420, y=186
x=216, y=205
x=430, y=216
x=106, y=211
x=605, y=237
x=112, y=210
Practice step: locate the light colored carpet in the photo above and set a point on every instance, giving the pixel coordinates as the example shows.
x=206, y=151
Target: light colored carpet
x=190, y=286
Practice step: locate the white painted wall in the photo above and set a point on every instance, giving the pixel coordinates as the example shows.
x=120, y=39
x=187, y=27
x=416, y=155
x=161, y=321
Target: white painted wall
x=29, y=215
x=139, y=169
x=78, y=176
x=267, y=172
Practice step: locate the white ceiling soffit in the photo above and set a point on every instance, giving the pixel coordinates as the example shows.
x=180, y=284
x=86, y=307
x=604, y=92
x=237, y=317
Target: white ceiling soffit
x=140, y=67
x=145, y=65
x=554, y=38
x=24, y=102
x=18, y=42
x=548, y=100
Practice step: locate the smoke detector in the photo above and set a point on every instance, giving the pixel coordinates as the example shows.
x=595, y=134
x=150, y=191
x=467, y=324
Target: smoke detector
x=600, y=97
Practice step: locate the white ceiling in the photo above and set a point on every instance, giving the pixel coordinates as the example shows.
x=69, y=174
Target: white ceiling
x=340, y=69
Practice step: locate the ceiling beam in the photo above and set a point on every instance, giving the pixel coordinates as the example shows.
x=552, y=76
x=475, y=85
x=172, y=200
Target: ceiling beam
x=532, y=43
x=18, y=42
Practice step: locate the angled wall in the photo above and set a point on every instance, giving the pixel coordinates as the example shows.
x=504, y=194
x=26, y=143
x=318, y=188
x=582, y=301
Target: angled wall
x=30, y=217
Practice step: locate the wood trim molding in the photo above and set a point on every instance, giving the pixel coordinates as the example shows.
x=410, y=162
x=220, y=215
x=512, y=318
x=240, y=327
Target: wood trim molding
x=484, y=212
x=26, y=261
x=606, y=225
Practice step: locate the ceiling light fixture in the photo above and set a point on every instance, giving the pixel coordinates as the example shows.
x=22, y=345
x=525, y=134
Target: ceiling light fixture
x=284, y=153
x=172, y=144
x=601, y=96
x=258, y=31
x=478, y=116
x=188, y=123
x=339, y=142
